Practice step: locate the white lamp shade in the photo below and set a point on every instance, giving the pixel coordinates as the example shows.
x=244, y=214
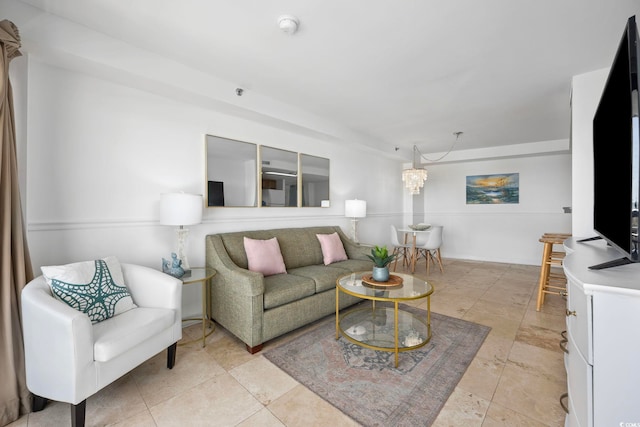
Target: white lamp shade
x=180, y=209
x=355, y=208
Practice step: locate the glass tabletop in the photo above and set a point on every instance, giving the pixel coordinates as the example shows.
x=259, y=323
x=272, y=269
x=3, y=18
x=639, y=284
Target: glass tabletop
x=410, y=288
x=197, y=274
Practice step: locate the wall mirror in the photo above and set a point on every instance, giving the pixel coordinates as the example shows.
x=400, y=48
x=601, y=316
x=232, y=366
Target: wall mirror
x=279, y=177
x=232, y=169
x=315, y=180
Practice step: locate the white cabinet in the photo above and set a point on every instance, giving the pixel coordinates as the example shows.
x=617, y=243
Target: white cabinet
x=603, y=333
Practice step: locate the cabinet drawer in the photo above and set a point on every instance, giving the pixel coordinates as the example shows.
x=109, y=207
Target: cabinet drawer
x=616, y=359
x=580, y=386
x=579, y=315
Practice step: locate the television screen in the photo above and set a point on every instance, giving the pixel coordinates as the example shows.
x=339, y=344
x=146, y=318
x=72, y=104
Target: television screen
x=215, y=193
x=616, y=152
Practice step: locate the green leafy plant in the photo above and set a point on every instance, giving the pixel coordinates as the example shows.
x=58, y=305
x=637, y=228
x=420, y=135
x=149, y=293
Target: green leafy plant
x=380, y=256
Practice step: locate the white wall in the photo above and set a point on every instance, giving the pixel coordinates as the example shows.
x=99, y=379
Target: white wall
x=99, y=154
x=500, y=232
x=103, y=129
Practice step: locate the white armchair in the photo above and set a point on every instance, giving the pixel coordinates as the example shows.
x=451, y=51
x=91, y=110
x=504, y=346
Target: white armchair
x=69, y=359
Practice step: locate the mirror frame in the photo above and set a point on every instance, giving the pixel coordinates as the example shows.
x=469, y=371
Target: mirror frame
x=316, y=166
x=233, y=160
x=279, y=177
x=253, y=173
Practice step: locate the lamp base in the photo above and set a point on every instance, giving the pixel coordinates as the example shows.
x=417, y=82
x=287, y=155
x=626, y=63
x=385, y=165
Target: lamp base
x=354, y=230
x=182, y=234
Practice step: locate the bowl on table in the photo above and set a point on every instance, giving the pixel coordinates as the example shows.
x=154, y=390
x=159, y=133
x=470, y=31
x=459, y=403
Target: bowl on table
x=420, y=227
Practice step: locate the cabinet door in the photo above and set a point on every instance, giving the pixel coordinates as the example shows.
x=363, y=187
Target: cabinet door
x=579, y=319
x=616, y=359
x=580, y=386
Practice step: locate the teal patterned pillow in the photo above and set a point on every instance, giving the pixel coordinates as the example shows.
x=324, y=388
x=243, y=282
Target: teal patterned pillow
x=95, y=288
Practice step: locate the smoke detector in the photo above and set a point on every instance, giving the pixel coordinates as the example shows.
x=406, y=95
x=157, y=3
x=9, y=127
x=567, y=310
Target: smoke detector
x=288, y=24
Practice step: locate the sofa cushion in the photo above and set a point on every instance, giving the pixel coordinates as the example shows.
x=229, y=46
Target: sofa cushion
x=95, y=288
x=325, y=277
x=282, y=289
x=125, y=331
x=263, y=256
x=332, y=248
x=352, y=265
x=299, y=247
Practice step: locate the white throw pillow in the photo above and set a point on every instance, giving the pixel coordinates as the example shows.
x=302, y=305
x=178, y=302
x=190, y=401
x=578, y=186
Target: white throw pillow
x=95, y=288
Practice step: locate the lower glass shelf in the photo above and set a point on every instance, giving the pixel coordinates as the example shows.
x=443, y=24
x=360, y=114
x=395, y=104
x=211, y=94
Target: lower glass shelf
x=374, y=327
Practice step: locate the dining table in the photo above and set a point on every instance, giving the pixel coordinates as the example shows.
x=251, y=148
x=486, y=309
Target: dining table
x=412, y=233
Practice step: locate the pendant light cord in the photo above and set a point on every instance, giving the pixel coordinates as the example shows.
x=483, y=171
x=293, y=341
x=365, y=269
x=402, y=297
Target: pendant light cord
x=415, y=148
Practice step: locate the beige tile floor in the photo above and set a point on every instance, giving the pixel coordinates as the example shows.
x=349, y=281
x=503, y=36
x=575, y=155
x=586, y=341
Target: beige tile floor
x=515, y=379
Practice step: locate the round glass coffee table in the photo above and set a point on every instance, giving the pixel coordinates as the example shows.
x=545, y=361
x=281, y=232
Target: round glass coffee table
x=384, y=327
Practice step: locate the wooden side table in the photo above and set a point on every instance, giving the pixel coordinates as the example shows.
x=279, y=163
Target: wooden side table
x=202, y=275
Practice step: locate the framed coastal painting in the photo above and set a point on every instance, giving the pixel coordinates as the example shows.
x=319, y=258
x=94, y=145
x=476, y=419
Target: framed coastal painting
x=503, y=188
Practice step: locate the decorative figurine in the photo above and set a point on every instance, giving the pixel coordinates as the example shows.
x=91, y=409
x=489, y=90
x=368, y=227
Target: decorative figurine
x=412, y=339
x=173, y=266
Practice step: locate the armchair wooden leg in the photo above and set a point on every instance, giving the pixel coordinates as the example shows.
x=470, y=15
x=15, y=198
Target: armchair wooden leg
x=171, y=355
x=77, y=414
x=38, y=403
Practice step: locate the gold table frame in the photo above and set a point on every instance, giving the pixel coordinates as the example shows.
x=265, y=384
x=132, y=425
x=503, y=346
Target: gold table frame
x=412, y=288
x=202, y=275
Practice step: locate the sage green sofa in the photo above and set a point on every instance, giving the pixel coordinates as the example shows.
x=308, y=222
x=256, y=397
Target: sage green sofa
x=257, y=309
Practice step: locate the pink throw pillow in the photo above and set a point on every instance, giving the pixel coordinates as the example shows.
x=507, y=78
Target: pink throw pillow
x=332, y=248
x=264, y=256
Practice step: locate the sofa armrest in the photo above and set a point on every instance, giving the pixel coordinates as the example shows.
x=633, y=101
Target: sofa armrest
x=245, y=282
x=152, y=288
x=58, y=340
x=354, y=250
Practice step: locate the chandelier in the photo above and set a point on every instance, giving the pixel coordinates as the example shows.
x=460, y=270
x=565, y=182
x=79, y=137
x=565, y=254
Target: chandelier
x=415, y=177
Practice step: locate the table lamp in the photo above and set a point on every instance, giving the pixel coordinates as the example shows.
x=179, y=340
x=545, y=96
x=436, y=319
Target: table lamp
x=181, y=209
x=355, y=209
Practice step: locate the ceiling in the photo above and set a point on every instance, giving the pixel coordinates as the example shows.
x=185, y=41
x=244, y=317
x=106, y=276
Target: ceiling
x=398, y=73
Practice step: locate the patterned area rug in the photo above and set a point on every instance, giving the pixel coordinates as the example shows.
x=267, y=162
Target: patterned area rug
x=365, y=385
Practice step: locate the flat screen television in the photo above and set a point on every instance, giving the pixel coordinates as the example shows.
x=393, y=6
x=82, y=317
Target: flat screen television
x=616, y=153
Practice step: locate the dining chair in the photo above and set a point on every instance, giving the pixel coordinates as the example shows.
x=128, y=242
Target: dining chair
x=430, y=247
x=401, y=249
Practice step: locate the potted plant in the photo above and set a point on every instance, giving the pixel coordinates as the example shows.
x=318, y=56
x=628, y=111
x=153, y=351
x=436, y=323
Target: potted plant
x=381, y=260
